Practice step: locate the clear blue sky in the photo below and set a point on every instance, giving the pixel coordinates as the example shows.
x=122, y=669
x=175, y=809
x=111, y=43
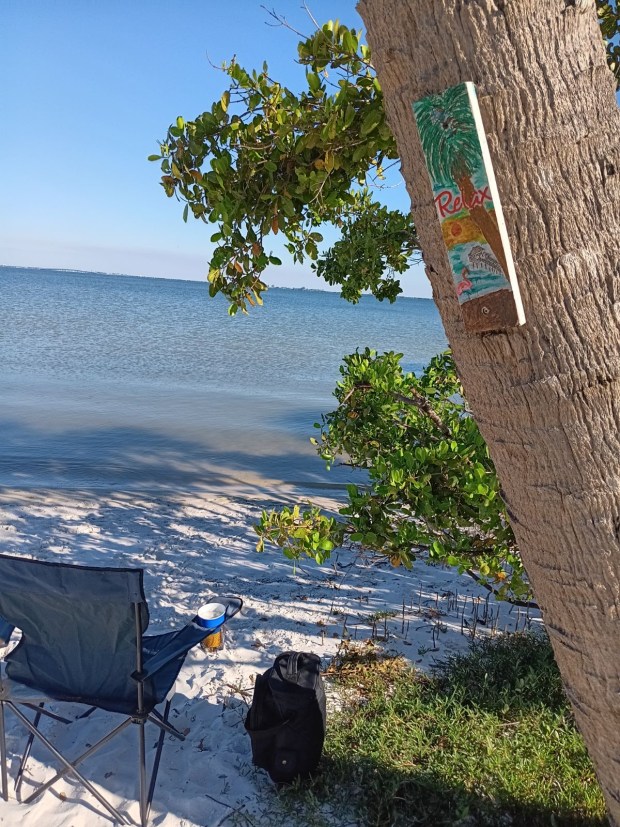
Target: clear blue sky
x=89, y=88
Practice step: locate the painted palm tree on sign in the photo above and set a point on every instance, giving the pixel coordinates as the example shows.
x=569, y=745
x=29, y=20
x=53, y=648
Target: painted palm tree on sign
x=452, y=149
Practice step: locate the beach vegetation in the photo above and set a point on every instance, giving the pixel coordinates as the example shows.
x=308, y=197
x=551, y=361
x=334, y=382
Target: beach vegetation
x=265, y=161
x=487, y=738
x=432, y=486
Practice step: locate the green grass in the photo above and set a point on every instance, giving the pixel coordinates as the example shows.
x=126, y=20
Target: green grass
x=488, y=739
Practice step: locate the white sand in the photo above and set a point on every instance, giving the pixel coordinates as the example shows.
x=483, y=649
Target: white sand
x=191, y=547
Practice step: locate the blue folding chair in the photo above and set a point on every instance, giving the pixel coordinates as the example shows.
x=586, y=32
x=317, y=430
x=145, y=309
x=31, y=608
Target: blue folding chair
x=83, y=642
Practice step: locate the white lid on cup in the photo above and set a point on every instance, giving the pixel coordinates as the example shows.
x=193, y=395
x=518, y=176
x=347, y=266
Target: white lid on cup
x=211, y=611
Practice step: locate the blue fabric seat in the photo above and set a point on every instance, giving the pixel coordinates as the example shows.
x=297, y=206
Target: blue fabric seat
x=83, y=642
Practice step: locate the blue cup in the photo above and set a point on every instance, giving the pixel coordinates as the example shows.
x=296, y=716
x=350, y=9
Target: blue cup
x=210, y=615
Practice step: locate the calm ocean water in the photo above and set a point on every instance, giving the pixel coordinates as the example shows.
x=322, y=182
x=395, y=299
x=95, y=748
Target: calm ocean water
x=147, y=384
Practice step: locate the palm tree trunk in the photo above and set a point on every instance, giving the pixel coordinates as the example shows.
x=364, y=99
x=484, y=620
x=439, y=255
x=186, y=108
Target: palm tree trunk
x=483, y=219
x=546, y=395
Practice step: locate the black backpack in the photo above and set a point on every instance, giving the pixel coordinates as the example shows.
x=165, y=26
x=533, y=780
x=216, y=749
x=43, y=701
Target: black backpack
x=286, y=721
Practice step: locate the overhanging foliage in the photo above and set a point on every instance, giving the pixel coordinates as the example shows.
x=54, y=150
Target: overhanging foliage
x=431, y=483
x=265, y=160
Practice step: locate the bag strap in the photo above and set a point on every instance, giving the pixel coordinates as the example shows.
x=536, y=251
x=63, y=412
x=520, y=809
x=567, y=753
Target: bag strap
x=292, y=666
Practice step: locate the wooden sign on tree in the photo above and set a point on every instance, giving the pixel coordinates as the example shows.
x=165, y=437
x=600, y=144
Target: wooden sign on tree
x=467, y=201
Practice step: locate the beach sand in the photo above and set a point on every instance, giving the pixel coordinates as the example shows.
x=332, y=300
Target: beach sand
x=191, y=547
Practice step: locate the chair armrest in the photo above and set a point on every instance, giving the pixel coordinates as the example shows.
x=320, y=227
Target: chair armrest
x=6, y=630
x=182, y=641
x=179, y=644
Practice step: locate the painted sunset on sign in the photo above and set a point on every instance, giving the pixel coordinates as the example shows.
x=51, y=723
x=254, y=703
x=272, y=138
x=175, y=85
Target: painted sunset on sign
x=467, y=204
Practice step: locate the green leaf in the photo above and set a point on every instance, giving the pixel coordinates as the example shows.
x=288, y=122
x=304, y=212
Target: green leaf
x=349, y=41
x=314, y=81
x=371, y=121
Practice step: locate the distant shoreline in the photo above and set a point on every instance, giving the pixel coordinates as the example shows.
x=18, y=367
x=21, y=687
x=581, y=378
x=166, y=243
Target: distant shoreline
x=173, y=278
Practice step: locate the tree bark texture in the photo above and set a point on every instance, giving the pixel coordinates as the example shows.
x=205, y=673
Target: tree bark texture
x=547, y=395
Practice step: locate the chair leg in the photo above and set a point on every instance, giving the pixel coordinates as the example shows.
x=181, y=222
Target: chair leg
x=22, y=764
x=155, y=769
x=61, y=773
x=3, y=769
x=70, y=768
x=146, y=797
x=142, y=773
x=164, y=723
x=87, y=713
x=40, y=709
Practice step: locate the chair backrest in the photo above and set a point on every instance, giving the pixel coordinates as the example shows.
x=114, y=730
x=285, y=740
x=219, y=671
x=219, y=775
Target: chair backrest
x=79, y=633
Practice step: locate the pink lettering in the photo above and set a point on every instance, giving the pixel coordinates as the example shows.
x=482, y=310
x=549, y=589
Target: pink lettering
x=447, y=203
x=443, y=202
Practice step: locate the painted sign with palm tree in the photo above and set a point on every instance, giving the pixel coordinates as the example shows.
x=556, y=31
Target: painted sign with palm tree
x=467, y=202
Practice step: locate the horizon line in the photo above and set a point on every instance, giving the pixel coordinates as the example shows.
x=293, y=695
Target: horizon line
x=176, y=278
